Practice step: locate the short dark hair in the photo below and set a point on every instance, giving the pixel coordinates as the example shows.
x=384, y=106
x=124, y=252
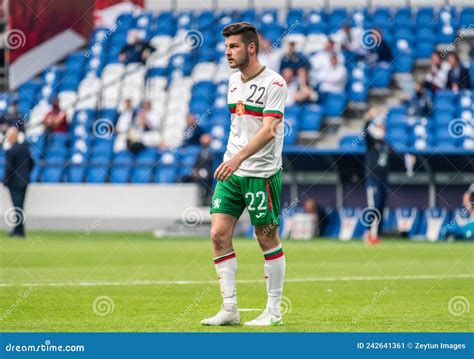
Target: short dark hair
x=245, y=29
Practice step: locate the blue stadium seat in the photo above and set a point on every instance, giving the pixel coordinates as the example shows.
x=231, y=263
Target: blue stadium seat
x=403, y=18
x=142, y=174
x=167, y=169
x=334, y=104
x=147, y=157
x=52, y=174
x=311, y=118
x=97, y=173
x=75, y=173
x=187, y=158
x=381, y=76
x=120, y=173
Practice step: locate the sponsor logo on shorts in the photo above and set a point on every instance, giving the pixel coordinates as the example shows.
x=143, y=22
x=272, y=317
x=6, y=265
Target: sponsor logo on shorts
x=216, y=203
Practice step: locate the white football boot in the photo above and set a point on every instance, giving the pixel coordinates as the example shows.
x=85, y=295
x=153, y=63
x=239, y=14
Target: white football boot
x=267, y=318
x=228, y=315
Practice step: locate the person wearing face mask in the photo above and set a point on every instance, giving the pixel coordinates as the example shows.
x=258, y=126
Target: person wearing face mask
x=18, y=166
x=376, y=174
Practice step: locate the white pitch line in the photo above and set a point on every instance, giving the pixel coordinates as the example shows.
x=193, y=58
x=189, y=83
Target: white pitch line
x=243, y=281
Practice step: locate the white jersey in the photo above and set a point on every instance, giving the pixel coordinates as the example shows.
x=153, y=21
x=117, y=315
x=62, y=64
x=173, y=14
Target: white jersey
x=262, y=95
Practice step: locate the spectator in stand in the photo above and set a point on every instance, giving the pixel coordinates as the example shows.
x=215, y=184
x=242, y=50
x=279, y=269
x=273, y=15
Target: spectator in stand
x=55, y=120
x=268, y=55
x=334, y=78
x=382, y=51
x=458, y=76
x=349, y=39
x=145, y=129
x=293, y=59
x=193, y=132
x=124, y=123
x=13, y=118
x=437, y=76
x=297, y=93
x=421, y=104
x=136, y=51
x=126, y=117
x=203, y=169
x=321, y=62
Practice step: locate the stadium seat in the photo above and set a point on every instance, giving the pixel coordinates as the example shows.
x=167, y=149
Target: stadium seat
x=75, y=173
x=432, y=222
x=52, y=174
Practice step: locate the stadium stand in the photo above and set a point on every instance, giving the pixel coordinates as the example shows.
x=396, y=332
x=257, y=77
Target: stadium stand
x=190, y=76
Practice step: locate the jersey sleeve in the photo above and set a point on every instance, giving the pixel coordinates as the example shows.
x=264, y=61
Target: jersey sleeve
x=276, y=99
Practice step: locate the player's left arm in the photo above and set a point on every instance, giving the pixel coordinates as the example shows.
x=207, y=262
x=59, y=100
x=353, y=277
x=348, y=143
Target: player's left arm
x=272, y=116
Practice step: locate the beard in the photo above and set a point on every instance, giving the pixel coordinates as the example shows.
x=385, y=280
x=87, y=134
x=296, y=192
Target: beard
x=242, y=63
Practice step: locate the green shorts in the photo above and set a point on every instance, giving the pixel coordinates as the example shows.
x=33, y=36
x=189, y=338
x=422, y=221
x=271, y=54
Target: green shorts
x=261, y=196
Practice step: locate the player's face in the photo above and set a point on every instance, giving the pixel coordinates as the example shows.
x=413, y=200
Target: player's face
x=236, y=52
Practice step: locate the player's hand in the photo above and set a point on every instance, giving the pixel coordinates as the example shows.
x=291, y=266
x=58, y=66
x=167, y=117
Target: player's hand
x=227, y=168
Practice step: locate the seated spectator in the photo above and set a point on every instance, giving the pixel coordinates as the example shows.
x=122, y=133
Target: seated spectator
x=420, y=105
x=321, y=62
x=55, y=120
x=136, y=51
x=125, y=119
x=349, y=39
x=382, y=52
x=297, y=93
x=137, y=130
x=293, y=59
x=193, y=132
x=458, y=76
x=437, y=76
x=268, y=55
x=334, y=79
x=203, y=169
x=145, y=129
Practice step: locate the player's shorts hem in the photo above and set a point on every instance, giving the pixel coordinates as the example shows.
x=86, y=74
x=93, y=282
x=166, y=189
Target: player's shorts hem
x=269, y=223
x=223, y=211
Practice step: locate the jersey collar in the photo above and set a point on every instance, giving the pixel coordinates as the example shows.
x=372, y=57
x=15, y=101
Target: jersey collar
x=253, y=76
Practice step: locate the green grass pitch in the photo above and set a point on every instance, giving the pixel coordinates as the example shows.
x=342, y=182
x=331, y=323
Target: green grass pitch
x=134, y=282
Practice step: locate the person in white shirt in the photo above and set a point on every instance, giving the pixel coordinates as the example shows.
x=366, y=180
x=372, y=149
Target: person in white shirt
x=334, y=78
x=126, y=117
x=320, y=62
x=124, y=123
x=269, y=56
x=437, y=76
x=297, y=93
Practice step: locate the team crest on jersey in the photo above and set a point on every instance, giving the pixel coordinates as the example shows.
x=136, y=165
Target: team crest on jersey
x=239, y=108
